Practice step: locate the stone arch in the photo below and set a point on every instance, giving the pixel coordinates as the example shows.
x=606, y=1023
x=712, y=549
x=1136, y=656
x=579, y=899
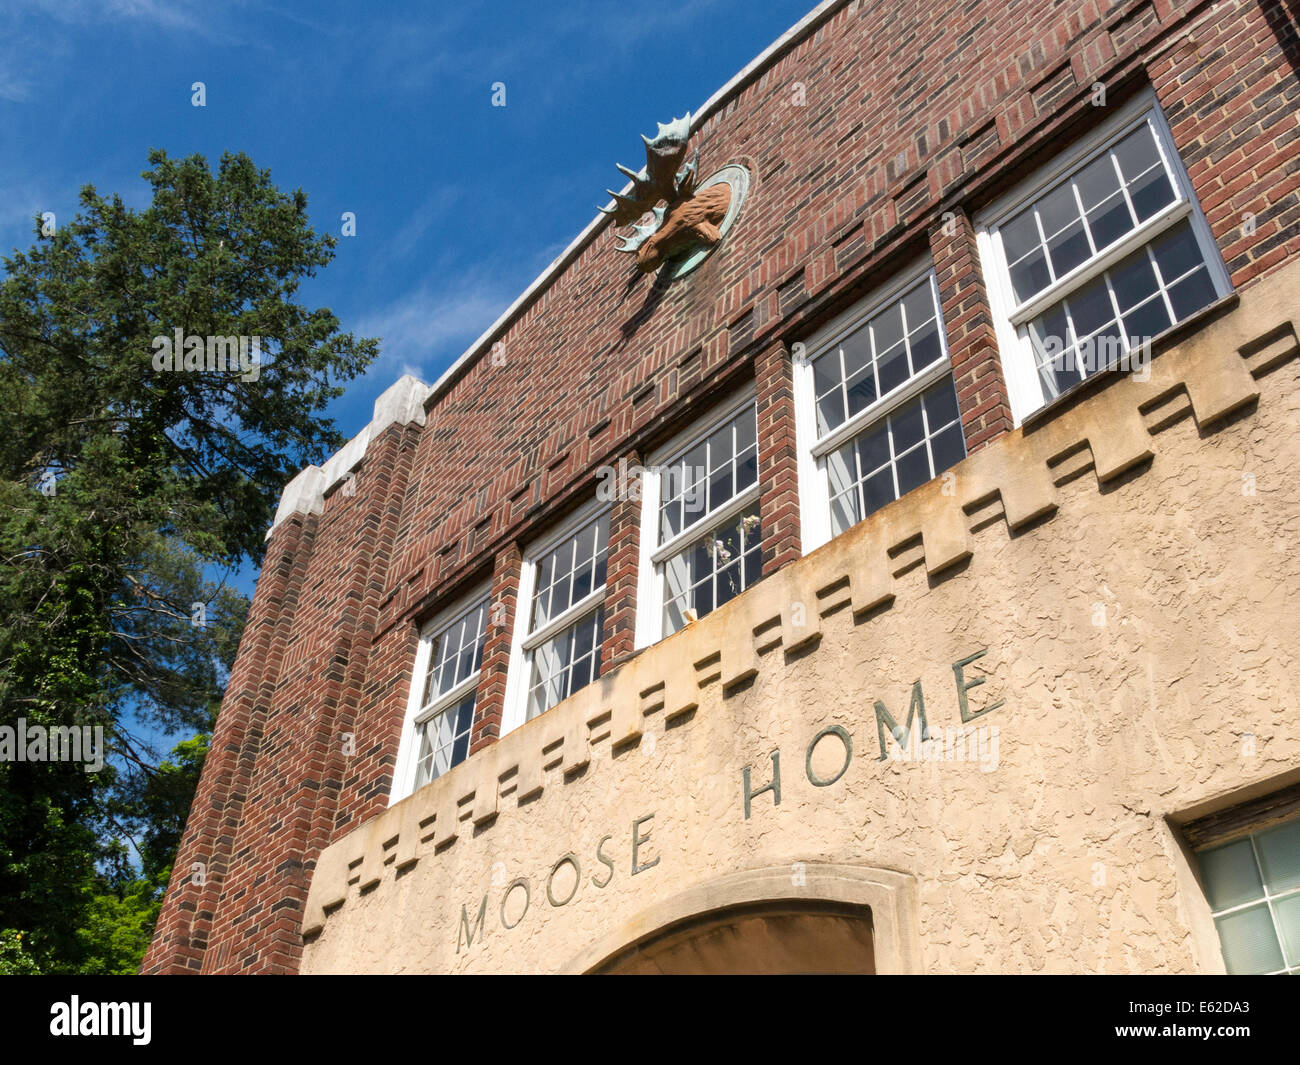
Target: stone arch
x=789, y=914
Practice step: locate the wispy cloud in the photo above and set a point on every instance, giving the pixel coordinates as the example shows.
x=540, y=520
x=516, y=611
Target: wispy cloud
x=36, y=38
x=163, y=14
x=426, y=329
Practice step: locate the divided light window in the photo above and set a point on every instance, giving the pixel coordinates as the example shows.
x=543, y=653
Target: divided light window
x=445, y=687
x=1102, y=254
x=708, y=543
x=1253, y=887
x=566, y=616
x=877, y=409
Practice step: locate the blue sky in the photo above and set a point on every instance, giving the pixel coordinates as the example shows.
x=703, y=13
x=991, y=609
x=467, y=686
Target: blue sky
x=384, y=110
x=380, y=109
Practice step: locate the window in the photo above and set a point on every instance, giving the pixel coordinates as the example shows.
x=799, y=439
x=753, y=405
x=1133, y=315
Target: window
x=1092, y=259
x=440, y=715
x=877, y=407
x=558, y=635
x=700, y=533
x=1253, y=887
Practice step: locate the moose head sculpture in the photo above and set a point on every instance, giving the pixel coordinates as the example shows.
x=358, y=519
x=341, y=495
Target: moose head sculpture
x=683, y=215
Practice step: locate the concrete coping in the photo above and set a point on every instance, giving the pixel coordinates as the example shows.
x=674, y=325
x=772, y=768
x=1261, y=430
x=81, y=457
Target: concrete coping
x=402, y=403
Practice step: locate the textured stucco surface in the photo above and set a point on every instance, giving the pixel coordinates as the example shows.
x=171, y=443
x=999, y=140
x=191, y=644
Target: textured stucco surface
x=1142, y=637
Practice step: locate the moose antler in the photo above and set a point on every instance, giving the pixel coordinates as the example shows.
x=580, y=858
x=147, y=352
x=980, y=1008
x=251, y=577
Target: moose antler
x=688, y=218
x=662, y=178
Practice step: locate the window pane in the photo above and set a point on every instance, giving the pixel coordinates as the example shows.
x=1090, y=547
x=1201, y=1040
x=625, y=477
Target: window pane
x=1249, y=943
x=1147, y=321
x=720, y=486
x=1109, y=221
x=830, y=398
x=1144, y=173
x=1020, y=236
x=949, y=448
x=1100, y=350
x=1151, y=192
x=1049, y=334
x=1230, y=876
x=892, y=369
x=926, y=346
x=908, y=427
x=670, y=518
x=746, y=429
x=918, y=307
x=873, y=448
x=855, y=349
x=1192, y=293
x=941, y=405
x=1068, y=249
x=1057, y=211
x=747, y=469
x=887, y=330
x=1288, y=925
x=1177, y=252
x=1090, y=308
x=1279, y=856
x=844, y=512
x=840, y=467
x=1098, y=184
x=878, y=491
x=1134, y=280
x=913, y=470
x=861, y=392
x=1137, y=153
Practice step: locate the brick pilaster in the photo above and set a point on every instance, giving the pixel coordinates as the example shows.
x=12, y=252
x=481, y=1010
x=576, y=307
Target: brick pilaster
x=972, y=342
x=496, y=647
x=190, y=905
x=623, y=570
x=778, y=457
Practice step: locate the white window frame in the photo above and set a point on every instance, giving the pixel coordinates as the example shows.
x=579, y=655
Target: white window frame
x=1010, y=317
x=814, y=490
x=650, y=579
x=523, y=643
x=408, y=754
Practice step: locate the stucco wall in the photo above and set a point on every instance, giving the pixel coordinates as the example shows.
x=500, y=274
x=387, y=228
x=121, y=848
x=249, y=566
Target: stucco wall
x=1130, y=564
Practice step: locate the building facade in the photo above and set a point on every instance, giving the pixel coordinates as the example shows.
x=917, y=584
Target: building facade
x=897, y=574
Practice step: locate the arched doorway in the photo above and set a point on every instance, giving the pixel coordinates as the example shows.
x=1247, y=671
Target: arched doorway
x=803, y=917
x=792, y=936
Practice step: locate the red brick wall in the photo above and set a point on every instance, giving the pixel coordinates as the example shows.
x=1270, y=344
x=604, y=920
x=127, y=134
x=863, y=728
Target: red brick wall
x=778, y=457
x=912, y=118
x=623, y=569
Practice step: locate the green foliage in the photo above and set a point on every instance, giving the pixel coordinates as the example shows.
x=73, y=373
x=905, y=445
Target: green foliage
x=125, y=492
x=14, y=959
x=117, y=924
